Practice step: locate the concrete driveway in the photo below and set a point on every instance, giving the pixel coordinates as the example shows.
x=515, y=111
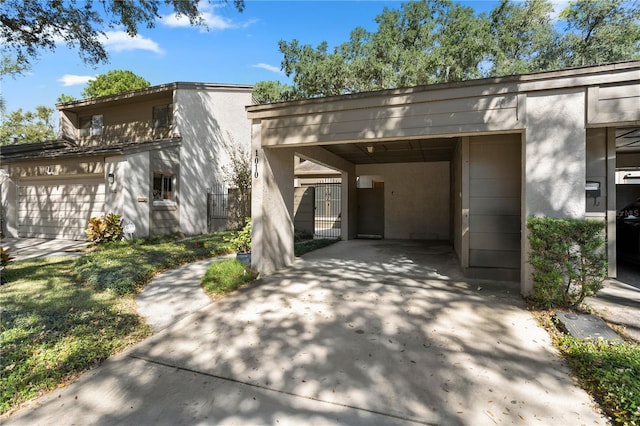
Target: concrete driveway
x=30, y=248
x=361, y=332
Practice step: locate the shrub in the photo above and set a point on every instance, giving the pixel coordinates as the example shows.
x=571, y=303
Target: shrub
x=567, y=258
x=105, y=228
x=302, y=235
x=242, y=239
x=5, y=257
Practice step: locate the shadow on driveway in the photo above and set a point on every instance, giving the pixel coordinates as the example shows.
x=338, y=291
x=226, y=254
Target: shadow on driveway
x=360, y=332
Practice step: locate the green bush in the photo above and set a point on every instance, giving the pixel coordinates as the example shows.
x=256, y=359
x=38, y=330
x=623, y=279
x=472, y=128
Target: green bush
x=242, y=238
x=568, y=260
x=105, y=228
x=227, y=275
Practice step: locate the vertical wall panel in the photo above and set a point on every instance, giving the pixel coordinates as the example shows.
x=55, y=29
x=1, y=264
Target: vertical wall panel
x=494, y=202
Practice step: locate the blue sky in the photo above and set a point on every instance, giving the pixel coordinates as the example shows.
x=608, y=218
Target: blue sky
x=238, y=48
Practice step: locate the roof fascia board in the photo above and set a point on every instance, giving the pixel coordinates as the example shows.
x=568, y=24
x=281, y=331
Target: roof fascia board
x=169, y=87
x=548, y=80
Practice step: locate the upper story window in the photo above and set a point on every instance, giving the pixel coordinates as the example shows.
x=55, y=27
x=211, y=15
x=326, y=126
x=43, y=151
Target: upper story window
x=162, y=116
x=90, y=125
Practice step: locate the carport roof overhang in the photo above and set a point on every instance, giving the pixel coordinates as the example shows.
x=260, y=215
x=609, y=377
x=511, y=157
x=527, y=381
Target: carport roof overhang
x=423, y=123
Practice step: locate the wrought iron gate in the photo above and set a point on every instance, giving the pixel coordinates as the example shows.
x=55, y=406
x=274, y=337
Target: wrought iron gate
x=328, y=206
x=217, y=208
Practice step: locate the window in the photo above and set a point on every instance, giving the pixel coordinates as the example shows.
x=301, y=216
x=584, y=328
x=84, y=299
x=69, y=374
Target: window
x=163, y=187
x=162, y=116
x=90, y=125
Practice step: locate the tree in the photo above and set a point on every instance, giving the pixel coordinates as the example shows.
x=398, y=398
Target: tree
x=112, y=83
x=64, y=98
x=265, y=92
x=29, y=26
x=601, y=31
x=238, y=176
x=426, y=42
x=524, y=38
x=28, y=127
x=423, y=42
x=8, y=66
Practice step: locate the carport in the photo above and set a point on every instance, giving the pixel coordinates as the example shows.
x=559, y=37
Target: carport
x=464, y=162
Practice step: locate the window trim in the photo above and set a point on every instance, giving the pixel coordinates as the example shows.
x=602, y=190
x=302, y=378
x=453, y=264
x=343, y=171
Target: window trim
x=165, y=177
x=162, y=116
x=90, y=125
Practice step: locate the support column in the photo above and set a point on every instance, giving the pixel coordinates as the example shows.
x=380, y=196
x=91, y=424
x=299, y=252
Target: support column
x=555, y=163
x=271, y=206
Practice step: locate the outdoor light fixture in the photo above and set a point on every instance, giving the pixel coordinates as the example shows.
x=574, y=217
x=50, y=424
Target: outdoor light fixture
x=112, y=178
x=370, y=149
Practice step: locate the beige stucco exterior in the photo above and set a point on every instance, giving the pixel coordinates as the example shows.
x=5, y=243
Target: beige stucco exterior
x=549, y=115
x=208, y=122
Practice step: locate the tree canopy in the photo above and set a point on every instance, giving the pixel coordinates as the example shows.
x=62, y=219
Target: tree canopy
x=29, y=26
x=112, y=83
x=424, y=42
x=28, y=127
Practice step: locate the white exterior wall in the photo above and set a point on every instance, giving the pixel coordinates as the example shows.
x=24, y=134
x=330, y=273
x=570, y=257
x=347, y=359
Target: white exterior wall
x=8, y=198
x=130, y=194
x=272, y=209
x=211, y=123
x=416, y=199
x=554, y=158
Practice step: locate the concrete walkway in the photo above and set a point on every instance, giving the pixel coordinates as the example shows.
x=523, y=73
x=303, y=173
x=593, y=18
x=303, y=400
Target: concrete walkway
x=30, y=248
x=174, y=294
x=618, y=303
x=360, y=332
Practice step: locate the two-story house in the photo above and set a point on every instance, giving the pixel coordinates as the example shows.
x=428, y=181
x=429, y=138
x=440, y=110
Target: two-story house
x=151, y=155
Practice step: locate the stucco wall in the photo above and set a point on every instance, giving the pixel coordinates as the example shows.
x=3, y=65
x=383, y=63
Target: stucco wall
x=272, y=209
x=129, y=195
x=416, y=199
x=211, y=124
x=555, y=162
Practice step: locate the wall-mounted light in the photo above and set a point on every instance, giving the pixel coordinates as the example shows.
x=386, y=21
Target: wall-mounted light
x=111, y=178
x=370, y=149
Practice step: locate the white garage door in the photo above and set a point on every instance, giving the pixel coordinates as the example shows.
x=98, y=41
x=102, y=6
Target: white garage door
x=60, y=207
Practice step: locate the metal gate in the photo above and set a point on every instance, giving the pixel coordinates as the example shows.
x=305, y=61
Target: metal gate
x=328, y=209
x=217, y=208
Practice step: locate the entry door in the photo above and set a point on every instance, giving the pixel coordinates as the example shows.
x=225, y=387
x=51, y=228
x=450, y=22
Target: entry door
x=371, y=212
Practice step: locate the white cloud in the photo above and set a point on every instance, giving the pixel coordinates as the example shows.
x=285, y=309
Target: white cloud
x=268, y=68
x=74, y=80
x=119, y=41
x=210, y=19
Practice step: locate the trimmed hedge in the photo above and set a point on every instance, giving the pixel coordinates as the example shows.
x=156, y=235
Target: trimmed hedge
x=568, y=260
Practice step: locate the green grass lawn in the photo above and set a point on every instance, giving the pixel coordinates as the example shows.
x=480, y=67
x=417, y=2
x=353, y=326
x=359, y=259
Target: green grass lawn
x=125, y=267
x=52, y=327
x=61, y=316
x=610, y=372
x=226, y=276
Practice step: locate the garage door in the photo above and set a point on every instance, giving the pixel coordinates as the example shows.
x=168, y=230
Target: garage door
x=60, y=207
